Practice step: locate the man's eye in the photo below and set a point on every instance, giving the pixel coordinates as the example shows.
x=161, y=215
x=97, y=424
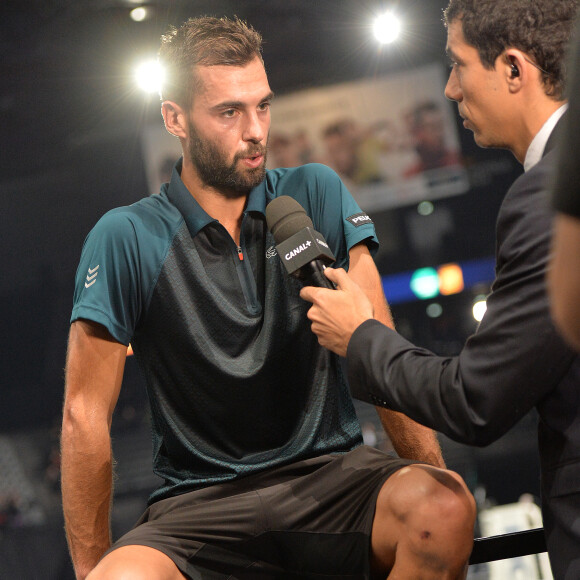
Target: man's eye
x=264, y=106
x=229, y=113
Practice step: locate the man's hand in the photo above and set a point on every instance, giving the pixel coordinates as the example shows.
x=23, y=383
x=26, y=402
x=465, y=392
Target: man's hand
x=336, y=314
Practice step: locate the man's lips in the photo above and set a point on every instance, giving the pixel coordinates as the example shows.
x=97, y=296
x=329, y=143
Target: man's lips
x=253, y=161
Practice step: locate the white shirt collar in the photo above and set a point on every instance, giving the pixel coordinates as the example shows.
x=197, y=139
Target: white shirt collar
x=538, y=144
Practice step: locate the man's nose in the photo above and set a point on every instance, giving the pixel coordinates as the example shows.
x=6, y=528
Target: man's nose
x=452, y=89
x=255, y=129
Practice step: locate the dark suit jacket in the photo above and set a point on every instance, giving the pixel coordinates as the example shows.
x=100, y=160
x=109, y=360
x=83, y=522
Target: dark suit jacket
x=515, y=361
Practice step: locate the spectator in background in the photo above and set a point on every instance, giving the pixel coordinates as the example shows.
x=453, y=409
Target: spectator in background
x=340, y=143
x=353, y=151
x=282, y=150
x=427, y=129
x=290, y=150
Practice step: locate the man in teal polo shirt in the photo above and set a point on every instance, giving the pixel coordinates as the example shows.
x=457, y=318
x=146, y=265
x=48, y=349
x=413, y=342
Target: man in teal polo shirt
x=254, y=432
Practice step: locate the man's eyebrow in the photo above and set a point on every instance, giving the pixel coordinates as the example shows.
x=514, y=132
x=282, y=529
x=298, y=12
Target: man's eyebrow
x=450, y=54
x=238, y=104
x=227, y=105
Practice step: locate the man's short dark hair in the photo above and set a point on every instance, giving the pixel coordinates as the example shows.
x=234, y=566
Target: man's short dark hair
x=540, y=28
x=203, y=41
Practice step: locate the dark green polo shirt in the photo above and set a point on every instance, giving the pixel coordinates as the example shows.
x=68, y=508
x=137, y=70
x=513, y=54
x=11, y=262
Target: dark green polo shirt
x=236, y=380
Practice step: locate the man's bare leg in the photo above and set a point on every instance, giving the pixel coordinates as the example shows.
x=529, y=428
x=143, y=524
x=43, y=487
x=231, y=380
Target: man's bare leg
x=423, y=526
x=136, y=563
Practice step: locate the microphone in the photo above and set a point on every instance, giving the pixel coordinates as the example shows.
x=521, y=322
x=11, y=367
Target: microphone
x=303, y=251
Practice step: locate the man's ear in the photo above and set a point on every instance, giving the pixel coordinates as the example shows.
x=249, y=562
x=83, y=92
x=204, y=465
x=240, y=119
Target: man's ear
x=175, y=119
x=516, y=69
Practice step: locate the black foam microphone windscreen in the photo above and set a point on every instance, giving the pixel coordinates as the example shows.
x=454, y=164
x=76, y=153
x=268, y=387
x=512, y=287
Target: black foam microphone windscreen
x=303, y=251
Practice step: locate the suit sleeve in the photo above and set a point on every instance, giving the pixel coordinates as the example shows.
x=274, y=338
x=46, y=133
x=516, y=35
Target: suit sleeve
x=513, y=360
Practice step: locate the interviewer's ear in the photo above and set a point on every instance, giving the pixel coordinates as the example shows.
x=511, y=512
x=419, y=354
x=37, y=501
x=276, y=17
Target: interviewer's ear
x=515, y=69
x=174, y=118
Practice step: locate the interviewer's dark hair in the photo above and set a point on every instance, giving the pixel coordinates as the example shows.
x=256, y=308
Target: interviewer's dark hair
x=540, y=28
x=204, y=41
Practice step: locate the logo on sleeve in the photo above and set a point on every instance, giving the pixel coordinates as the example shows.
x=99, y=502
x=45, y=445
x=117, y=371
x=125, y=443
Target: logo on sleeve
x=359, y=219
x=92, y=276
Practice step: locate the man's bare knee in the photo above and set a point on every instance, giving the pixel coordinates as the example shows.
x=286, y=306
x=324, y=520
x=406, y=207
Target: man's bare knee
x=136, y=563
x=425, y=515
x=430, y=492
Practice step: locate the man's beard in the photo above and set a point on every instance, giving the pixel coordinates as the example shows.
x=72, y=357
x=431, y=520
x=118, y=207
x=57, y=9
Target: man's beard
x=214, y=171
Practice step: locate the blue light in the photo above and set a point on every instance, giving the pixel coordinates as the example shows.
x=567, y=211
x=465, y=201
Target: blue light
x=397, y=287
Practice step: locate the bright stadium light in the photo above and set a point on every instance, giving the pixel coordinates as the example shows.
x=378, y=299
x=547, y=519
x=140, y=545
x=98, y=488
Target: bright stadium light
x=479, y=308
x=139, y=14
x=387, y=28
x=149, y=76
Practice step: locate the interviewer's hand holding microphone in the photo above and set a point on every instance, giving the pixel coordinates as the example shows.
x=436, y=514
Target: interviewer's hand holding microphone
x=338, y=306
x=336, y=314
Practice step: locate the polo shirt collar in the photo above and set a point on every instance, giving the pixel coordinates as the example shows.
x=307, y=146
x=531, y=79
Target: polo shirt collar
x=194, y=215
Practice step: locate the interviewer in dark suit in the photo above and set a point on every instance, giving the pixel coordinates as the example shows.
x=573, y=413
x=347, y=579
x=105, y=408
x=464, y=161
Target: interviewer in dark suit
x=507, y=78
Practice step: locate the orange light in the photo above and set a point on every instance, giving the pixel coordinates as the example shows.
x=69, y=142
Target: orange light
x=129, y=350
x=450, y=279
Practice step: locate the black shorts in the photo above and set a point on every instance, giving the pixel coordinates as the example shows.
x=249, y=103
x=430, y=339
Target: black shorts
x=310, y=519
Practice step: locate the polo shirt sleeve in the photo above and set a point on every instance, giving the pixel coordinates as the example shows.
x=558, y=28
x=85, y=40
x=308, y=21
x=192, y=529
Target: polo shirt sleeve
x=107, y=284
x=336, y=214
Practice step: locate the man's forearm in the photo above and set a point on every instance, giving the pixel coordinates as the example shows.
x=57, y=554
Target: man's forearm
x=410, y=439
x=86, y=475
